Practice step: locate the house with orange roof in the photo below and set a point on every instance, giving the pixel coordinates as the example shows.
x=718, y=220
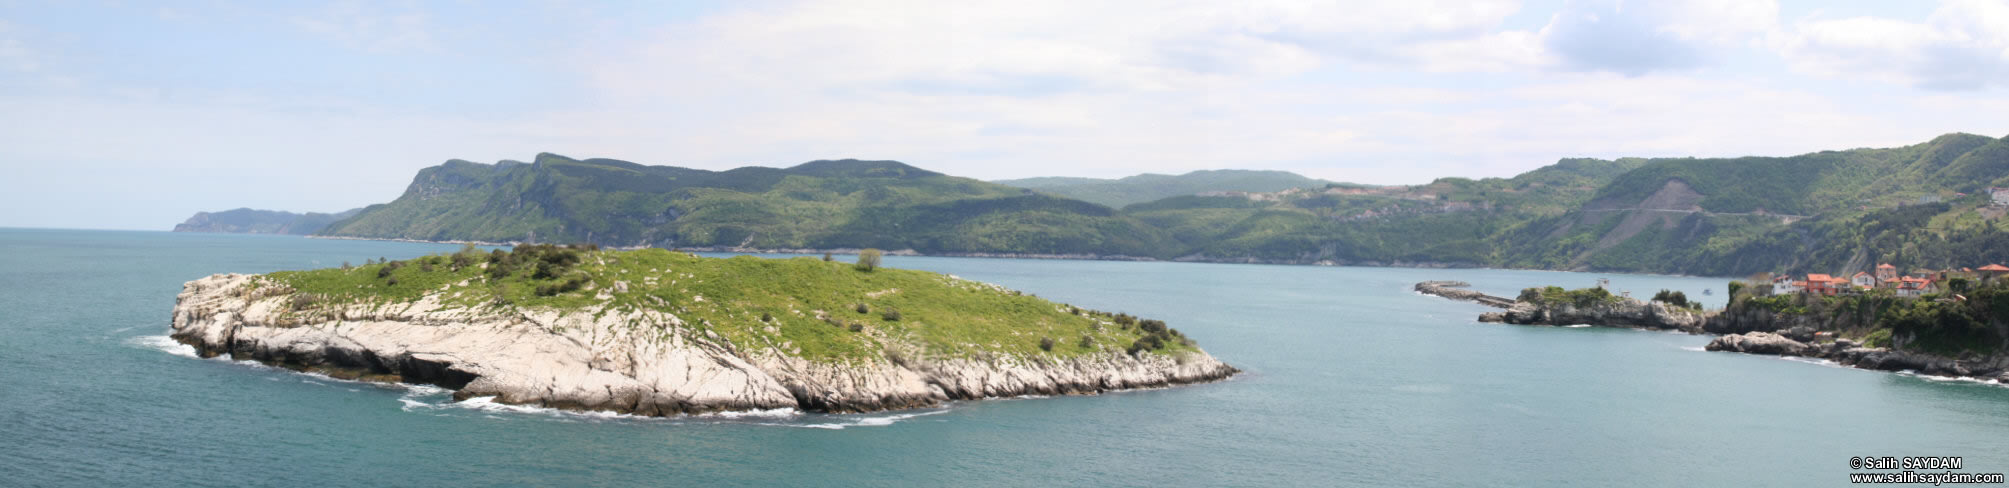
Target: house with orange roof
x=1885, y=272
x=1992, y=271
x=1821, y=283
x=1862, y=280
x=1915, y=287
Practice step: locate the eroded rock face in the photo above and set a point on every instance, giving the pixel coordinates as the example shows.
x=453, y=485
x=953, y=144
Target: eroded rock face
x=645, y=363
x=1759, y=343
x=1628, y=313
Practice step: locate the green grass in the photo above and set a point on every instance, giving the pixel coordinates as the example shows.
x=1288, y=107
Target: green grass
x=941, y=315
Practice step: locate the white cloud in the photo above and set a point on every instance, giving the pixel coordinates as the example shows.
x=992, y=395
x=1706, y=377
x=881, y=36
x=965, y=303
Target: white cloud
x=358, y=26
x=1963, y=45
x=1635, y=38
x=15, y=54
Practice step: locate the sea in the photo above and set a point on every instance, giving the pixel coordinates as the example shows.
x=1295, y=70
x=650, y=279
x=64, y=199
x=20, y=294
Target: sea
x=1352, y=379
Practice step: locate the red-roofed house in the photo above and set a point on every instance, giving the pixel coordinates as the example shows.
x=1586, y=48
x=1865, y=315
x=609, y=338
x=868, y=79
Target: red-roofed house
x=1885, y=272
x=1914, y=287
x=1821, y=283
x=1992, y=271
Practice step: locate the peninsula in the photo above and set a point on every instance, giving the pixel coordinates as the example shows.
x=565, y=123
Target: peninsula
x=656, y=332
x=1883, y=321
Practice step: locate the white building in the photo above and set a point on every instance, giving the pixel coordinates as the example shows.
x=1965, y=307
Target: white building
x=1863, y=280
x=1783, y=285
x=2000, y=196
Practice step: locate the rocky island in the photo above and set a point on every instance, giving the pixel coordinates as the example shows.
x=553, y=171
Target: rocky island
x=656, y=332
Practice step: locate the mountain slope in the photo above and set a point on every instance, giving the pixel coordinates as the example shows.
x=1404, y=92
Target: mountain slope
x=1821, y=211
x=1829, y=211
x=1148, y=187
x=820, y=204
x=249, y=221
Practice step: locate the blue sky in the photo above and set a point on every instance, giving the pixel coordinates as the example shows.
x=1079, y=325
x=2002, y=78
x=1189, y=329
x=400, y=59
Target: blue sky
x=137, y=114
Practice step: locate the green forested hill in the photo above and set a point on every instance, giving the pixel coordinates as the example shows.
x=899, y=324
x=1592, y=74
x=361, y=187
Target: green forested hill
x=821, y=204
x=1148, y=187
x=1831, y=211
x=249, y=221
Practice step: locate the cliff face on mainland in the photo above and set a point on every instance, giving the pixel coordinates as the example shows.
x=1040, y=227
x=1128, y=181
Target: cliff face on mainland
x=638, y=361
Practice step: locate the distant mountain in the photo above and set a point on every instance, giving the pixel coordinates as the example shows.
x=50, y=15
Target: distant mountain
x=820, y=204
x=249, y=221
x=1147, y=187
x=1924, y=205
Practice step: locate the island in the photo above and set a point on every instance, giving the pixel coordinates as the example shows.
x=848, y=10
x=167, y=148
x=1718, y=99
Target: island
x=656, y=332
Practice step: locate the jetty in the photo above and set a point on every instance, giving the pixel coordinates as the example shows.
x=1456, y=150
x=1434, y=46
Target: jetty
x=1456, y=290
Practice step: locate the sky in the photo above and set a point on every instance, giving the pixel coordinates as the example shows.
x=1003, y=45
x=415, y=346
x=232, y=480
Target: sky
x=134, y=115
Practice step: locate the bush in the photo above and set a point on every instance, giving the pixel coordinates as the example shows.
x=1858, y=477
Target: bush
x=385, y=272
x=828, y=258
x=857, y=327
x=1087, y=342
x=891, y=315
x=1672, y=297
x=567, y=286
x=766, y=317
x=1877, y=338
x=861, y=308
x=1046, y=343
x=1125, y=320
x=868, y=260
x=1152, y=326
x=303, y=301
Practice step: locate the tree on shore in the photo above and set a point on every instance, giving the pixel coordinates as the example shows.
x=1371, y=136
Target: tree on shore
x=868, y=260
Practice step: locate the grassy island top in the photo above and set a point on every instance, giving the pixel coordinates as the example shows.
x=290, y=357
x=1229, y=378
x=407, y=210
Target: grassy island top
x=806, y=307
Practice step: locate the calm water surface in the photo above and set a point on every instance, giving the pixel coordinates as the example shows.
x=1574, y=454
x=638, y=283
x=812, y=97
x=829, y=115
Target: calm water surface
x=1353, y=379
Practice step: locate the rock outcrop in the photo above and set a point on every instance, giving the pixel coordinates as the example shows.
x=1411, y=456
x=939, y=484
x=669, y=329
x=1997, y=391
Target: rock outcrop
x=639, y=362
x=1849, y=353
x=1627, y=312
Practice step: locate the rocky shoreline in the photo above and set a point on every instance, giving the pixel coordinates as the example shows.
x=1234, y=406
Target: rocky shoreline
x=1801, y=342
x=599, y=360
x=1738, y=334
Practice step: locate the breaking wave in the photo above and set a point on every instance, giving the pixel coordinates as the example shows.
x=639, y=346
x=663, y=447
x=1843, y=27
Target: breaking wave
x=165, y=344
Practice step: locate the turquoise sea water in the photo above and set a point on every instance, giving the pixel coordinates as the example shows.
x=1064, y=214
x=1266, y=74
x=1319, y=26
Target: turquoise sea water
x=1352, y=379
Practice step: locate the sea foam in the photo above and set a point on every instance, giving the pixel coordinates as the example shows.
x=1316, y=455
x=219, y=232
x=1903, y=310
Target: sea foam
x=164, y=344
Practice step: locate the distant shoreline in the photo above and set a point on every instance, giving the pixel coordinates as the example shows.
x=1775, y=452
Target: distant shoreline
x=1074, y=257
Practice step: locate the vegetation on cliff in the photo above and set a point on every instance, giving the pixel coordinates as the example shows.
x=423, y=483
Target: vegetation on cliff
x=1975, y=320
x=810, y=308
x=1148, y=187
